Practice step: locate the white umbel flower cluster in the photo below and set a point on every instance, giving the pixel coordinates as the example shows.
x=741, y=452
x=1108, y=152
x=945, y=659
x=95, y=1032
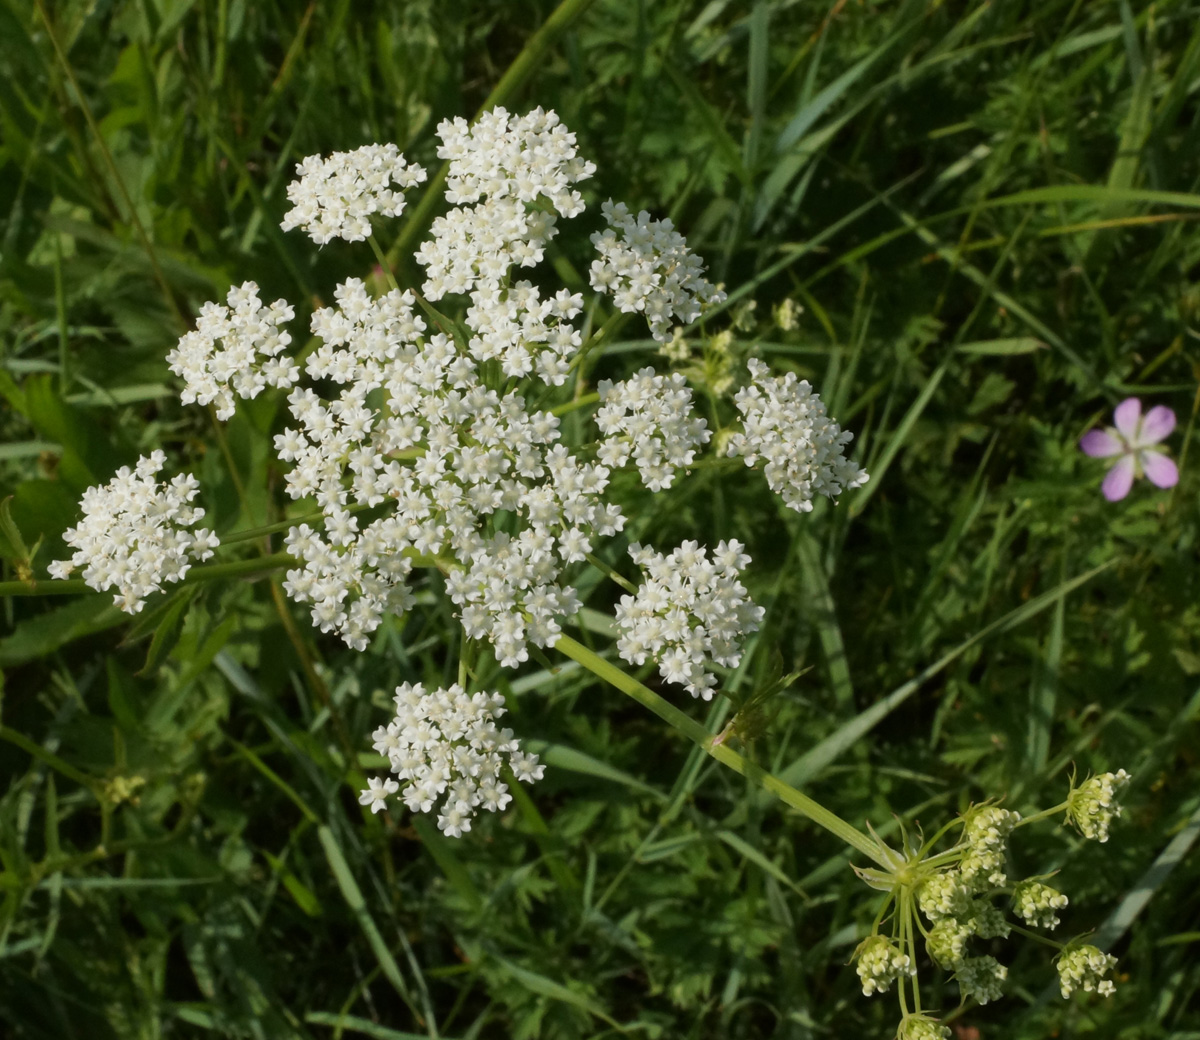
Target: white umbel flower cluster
x=1038, y=904
x=650, y=418
x=1092, y=806
x=785, y=425
x=133, y=536
x=336, y=197
x=646, y=267
x=500, y=169
x=234, y=351
x=446, y=746
x=690, y=610
x=414, y=425
x=986, y=835
x=1086, y=968
x=523, y=332
x=879, y=963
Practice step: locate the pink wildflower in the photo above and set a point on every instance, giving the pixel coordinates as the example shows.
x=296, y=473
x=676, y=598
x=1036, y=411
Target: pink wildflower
x=1133, y=439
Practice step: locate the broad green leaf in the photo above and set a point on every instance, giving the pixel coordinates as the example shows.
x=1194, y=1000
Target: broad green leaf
x=43, y=634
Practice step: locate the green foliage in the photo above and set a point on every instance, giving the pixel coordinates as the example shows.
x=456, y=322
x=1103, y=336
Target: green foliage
x=987, y=213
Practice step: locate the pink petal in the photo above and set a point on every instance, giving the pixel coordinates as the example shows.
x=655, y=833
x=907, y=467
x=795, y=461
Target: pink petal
x=1100, y=444
x=1119, y=479
x=1158, y=424
x=1159, y=470
x=1126, y=416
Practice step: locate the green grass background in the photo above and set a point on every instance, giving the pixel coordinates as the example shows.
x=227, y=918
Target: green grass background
x=987, y=211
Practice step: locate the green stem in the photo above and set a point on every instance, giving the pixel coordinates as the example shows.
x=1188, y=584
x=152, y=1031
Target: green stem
x=286, y=525
x=51, y=759
x=909, y=912
x=1044, y=940
x=1044, y=814
x=724, y=754
x=578, y=402
x=879, y=917
x=383, y=263
x=604, y=568
x=205, y=572
x=601, y=335
x=942, y=832
x=944, y=859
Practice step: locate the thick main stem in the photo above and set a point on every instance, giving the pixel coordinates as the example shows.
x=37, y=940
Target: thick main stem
x=724, y=754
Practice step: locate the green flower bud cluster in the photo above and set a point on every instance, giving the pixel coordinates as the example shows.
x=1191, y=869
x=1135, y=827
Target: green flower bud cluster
x=921, y=1027
x=1092, y=806
x=986, y=835
x=944, y=895
x=1036, y=904
x=1085, y=968
x=880, y=963
x=947, y=943
x=957, y=890
x=980, y=977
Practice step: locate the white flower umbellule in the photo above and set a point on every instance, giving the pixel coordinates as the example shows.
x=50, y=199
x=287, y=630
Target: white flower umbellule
x=134, y=533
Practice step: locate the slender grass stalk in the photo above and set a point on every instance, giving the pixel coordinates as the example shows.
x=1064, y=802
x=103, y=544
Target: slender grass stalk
x=118, y=180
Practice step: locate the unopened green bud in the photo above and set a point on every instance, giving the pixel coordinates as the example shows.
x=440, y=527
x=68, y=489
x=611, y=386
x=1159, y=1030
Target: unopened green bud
x=986, y=835
x=921, y=1027
x=1085, y=968
x=987, y=922
x=1037, y=904
x=980, y=977
x=947, y=943
x=944, y=895
x=880, y=963
x=1092, y=806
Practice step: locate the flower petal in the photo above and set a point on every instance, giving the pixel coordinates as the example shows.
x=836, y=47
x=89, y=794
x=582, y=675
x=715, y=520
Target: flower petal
x=1159, y=470
x=1126, y=416
x=1158, y=424
x=1120, y=479
x=1100, y=444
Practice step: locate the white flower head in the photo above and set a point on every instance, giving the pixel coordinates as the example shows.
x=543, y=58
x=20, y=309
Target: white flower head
x=503, y=170
x=412, y=428
x=689, y=610
x=646, y=267
x=335, y=197
x=376, y=794
x=445, y=745
x=134, y=533
x=649, y=418
x=234, y=351
x=786, y=427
